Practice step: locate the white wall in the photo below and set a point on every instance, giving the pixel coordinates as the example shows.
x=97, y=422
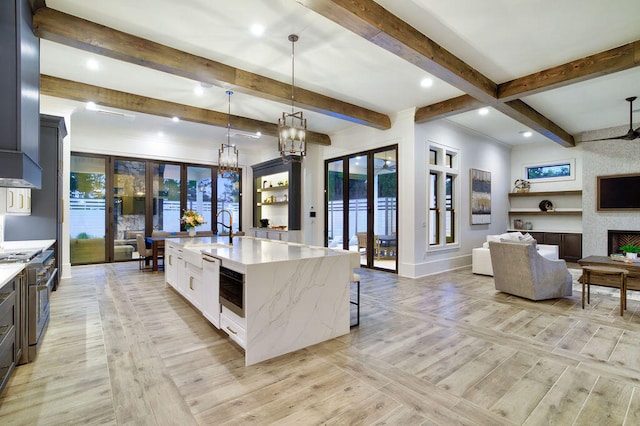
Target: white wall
x=477, y=152
x=545, y=152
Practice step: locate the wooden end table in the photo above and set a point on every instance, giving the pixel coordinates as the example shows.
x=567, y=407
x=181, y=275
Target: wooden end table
x=620, y=275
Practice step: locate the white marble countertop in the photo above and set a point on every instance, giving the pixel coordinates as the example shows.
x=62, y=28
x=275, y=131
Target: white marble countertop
x=252, y=251
x=26, y=245
x=8, y=271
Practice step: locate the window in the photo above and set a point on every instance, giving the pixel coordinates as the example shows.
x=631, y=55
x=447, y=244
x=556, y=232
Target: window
x=559, y=170
x=434, y=224
x=450, y=210
x=442, y=195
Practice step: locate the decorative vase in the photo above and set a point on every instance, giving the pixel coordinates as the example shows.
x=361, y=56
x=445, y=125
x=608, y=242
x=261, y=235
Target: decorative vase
x=192, y=232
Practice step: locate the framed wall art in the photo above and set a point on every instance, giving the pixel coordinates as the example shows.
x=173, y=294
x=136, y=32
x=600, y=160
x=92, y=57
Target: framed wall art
x=480, y=197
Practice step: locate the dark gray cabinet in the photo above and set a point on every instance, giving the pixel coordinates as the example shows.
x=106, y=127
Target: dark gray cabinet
x=8, y=318
x=20, y=101
x=45, y=221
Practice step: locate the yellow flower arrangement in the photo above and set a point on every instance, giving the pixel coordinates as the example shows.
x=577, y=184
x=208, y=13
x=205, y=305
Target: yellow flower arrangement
x=191, y=219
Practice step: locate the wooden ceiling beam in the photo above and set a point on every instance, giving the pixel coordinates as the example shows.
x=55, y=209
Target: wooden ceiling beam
x=371, y=21
x=614, y=60
x=603, y=63
x=67, y=89
x=523, y=113
x=72, y=31
x=447, y=108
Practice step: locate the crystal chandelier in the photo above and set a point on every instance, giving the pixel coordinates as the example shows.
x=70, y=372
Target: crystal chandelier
x=228, y=154
x=292, y=128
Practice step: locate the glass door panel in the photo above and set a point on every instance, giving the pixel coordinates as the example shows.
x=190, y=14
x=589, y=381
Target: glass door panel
x=166, y=197
x=199, y=190
x=358, y=209
x=385, y=202
x=129, y=206
x=335, y=206
x=87, y=210
x=228, y=193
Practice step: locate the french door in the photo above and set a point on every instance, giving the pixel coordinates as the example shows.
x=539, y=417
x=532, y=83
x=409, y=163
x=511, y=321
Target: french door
x=114, y=199
x=361, y=198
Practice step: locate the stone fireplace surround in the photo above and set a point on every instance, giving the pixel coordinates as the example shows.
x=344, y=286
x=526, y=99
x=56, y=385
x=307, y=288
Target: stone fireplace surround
x=617, y=239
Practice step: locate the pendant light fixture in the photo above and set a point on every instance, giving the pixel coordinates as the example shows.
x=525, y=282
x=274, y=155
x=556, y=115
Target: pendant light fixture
x=292, y=128
x=228, y=154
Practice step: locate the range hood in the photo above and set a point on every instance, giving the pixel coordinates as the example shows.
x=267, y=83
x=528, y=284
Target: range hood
x=20, y=100
x=19, y=170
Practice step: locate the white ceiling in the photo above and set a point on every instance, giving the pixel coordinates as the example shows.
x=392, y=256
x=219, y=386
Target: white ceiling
x=503, y=39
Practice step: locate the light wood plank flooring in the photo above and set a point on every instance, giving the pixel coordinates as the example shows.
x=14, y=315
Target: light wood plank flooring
x=123, y=348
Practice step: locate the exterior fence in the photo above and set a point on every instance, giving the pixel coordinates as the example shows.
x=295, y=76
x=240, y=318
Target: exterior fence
x=87, y=217
x=385, y=213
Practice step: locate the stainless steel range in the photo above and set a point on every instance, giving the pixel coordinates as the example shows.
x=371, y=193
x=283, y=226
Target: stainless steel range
x=33, y=298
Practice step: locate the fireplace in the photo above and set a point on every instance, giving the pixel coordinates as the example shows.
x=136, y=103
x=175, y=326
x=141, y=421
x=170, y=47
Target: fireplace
x=617, y=239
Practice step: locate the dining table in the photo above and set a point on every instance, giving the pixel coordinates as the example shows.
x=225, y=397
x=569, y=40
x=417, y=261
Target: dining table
x=157, y=248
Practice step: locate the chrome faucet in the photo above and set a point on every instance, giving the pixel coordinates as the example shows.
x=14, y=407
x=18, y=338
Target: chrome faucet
x=230, y=227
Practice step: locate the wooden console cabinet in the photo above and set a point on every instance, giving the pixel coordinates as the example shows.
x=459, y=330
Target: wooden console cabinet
x=569, y=244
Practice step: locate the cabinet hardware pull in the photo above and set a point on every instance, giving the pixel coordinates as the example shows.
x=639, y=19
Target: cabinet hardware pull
x=229, y=328
x=170, y=259
x=21, y=201
x=11, y=193
x=191, y=283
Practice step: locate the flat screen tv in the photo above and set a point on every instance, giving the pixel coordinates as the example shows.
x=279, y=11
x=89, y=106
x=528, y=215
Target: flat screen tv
x=619, y=192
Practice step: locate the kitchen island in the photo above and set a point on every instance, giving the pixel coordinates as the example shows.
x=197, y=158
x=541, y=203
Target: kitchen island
x=291, y=295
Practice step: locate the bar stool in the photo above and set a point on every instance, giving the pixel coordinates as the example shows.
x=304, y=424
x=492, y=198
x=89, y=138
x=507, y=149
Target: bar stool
x=355, y=278
x=605, y=271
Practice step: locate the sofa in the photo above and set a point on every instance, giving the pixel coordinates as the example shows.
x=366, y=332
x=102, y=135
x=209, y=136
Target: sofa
x=520, y=270
x=481, y=256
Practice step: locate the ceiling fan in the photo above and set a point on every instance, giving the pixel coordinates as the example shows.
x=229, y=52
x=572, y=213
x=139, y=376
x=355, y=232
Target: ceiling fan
x=387, y=166
x=631, y=134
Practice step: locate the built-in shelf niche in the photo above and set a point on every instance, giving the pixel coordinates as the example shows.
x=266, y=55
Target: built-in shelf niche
x=276, y=195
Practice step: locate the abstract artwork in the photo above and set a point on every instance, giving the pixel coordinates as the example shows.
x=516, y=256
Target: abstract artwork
x=480, y=197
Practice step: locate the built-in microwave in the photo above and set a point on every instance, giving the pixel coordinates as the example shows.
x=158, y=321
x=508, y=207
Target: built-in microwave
x=232, y=290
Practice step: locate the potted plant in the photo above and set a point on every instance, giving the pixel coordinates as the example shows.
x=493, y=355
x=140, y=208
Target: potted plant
x=631, y=250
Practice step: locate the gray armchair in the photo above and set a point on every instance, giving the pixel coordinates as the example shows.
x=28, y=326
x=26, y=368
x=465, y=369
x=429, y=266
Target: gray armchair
x=520, y=270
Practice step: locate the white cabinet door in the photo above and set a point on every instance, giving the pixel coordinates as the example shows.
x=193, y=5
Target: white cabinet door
x=181, y=272
x=193, y=287
x=171, y=266
x=15, y=201
x=210, y=290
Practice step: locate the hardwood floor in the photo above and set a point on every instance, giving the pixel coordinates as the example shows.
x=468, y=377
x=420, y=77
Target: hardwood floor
x=123, y=348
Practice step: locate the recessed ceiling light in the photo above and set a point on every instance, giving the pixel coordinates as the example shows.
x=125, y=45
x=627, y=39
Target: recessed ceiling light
x=198, y=90
x=483, y=111
x=426, y=82
x=527, y=133
x=257, y=30
x=175, y=119
x=161, y=134
x=92, y=64
x=91, y=106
